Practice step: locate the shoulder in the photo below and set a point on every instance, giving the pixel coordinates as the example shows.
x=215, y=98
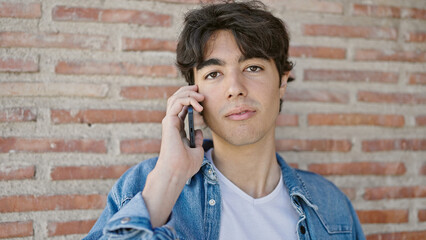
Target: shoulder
x=317, y=185
x=322, y=191
x=333, y=207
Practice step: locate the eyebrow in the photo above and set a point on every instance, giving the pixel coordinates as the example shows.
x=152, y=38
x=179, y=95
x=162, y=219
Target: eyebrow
x=216, y=61
x=209, y=62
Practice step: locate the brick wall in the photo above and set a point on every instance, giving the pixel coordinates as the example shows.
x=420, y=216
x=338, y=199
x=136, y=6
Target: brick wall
x=83, y=87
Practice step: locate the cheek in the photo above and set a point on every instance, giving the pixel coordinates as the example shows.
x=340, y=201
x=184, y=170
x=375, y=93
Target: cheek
x=211, y=94
x=209, y=105
x=209, y=100
x=270, y=98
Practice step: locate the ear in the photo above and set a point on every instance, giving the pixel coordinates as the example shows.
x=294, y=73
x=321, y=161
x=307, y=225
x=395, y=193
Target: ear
x=283, y=86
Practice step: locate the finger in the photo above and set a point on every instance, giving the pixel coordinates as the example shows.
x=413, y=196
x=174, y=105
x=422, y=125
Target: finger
x=178, y=104
x=184, y=92
x=188, y=94
x=199, y=120
x=199, y=138
x=197, y=96
x=187, y=88
x=183, y=134
x=182, y=114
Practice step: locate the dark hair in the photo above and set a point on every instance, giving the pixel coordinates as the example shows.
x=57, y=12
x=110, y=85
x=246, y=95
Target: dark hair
x=257, y=32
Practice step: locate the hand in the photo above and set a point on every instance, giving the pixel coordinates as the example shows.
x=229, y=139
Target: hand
x=175, y=153
x=177, y=162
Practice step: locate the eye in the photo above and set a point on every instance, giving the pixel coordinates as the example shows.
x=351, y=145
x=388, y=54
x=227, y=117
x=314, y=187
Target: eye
x=212, y=75
x=253, y=69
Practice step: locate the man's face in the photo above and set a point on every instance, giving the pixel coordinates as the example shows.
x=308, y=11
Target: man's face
x=241, y=95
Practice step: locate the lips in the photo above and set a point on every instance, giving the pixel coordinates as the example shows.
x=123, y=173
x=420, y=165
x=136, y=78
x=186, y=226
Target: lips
x=240, y=113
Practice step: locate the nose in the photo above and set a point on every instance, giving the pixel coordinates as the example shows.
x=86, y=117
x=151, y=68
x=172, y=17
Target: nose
x=236, y=85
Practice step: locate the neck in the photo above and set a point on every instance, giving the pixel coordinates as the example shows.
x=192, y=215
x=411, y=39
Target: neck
x=252, y=167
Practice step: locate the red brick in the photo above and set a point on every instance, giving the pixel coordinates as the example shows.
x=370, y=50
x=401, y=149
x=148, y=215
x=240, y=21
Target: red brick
x=421, y=120
x=53, y=89
x=379, y=193
x=311, y=6
x=358, y=168
x=17, y=115
x=63, y=13
x=398, y=98
x=394, y=145
x=376, y=11
x=349, y=76
x=414, y=13
x=121, y=68
x=132, y=146
x=315, y=95
x=353, y=119
x=390, y=55
x=179, y=1
x=418, y=78
x=293, y=165
x=383, y=216
x=16, y=229
x=26, y=203
x=321, y=145
x=191, y=1
x=423, y=169
x=148, y=44
x=148, y=92
x=68, y=228
x=88, y=172
x=18, y=65
x=16, y=172
x=147, y=18
x=417, y=37
x=349, y=192
x=388, y=11
x=422, y=215
x=317, y=52
x=106, y=116
x=287, y=120
x=350, y=31
x=43, y=145
x=20, y=10
x=398, y=236
x=55, y=40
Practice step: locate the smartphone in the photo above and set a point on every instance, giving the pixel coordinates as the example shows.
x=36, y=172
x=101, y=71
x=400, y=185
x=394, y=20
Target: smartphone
x=191, y=127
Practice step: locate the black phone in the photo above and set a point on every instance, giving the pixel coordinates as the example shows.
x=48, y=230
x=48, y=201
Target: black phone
x=191, y=127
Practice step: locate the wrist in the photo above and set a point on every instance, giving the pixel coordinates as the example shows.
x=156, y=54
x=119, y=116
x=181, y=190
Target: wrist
x=170, y=176
x=173, y=171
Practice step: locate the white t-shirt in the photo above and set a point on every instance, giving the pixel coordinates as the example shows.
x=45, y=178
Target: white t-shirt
x=245, y=217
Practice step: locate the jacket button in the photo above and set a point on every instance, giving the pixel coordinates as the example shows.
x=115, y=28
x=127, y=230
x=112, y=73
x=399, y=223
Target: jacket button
x=302, y=229
x=125, y=220
x=212, y=202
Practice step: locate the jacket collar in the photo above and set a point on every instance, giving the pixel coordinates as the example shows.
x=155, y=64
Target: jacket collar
x=296, y=187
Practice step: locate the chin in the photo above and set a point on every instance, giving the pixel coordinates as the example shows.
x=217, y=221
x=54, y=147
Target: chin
x=237, y=138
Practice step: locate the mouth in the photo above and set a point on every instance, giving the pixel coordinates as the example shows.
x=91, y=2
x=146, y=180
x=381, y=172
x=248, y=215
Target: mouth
x=239, y=114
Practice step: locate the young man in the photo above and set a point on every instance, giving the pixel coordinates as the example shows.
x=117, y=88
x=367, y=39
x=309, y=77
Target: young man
x=235, y=58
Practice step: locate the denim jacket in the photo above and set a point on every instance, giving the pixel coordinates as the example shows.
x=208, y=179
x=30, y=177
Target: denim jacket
x=324, y=211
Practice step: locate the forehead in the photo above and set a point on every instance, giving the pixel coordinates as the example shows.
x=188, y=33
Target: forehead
x=221, y=42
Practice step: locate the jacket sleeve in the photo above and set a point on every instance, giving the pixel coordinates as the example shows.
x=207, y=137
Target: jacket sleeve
x=126, y=215
x=356, y=229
